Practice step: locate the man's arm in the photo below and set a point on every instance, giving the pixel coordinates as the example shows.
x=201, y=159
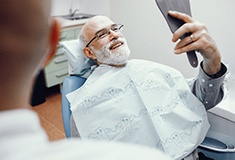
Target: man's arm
x=199, y=40
x=209, y=89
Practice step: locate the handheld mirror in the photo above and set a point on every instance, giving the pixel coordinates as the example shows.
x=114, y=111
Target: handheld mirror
x=173, y=23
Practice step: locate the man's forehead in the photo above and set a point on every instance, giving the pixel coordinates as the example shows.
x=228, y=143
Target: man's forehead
x=97, y=23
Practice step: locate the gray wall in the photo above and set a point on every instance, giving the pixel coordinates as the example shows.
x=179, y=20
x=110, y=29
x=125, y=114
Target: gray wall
x=61, y=7
x=149, y=37
x=148, y=34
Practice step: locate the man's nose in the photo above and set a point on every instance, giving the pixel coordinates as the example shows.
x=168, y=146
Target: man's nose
x=113, y=35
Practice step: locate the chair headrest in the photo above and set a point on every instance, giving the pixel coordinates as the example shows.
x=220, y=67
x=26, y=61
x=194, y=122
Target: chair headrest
x=79, y=64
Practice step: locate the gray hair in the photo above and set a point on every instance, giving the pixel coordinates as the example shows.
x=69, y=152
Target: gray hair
x=82, y=40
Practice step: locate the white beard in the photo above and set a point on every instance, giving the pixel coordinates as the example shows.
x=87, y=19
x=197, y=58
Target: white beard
x=117, y=57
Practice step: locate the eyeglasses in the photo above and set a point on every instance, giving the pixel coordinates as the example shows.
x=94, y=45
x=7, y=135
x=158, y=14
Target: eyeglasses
x=105, y=32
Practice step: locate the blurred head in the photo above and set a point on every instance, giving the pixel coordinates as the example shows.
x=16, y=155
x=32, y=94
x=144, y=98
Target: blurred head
x=28, y=40
x=103, y=42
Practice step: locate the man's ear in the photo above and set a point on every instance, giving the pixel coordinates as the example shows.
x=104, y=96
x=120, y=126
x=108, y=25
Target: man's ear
x=53, y=40
x=89, y=53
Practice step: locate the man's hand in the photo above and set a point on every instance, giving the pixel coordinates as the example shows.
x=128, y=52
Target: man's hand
x=199, y=40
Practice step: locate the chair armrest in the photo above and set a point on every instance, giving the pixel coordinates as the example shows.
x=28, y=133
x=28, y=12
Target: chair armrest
x=216, y=145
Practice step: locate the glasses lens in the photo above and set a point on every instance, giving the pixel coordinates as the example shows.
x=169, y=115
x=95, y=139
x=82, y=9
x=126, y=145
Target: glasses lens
x=102, y=34
x=116, y=27
x=105, y=32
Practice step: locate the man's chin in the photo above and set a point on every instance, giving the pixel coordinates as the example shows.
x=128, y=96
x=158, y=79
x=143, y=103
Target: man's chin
x=116, y=62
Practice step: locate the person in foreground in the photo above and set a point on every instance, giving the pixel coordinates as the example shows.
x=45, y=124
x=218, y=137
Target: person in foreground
x=27, y=32
x=144, y=102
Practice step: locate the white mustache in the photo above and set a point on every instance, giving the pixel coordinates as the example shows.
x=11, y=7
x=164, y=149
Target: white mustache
x=119, y=40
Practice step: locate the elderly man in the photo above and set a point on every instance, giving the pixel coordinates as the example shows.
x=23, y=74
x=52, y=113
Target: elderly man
x=144, y=102
x=28, y=41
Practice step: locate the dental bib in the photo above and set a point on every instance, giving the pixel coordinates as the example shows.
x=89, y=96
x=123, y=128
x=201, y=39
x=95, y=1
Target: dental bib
x=144, y=103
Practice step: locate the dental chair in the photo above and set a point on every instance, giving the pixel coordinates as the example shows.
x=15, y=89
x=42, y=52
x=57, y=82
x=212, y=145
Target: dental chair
x=79, y=68
x=70, y=84
x=211, y=147
x=216, y=145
